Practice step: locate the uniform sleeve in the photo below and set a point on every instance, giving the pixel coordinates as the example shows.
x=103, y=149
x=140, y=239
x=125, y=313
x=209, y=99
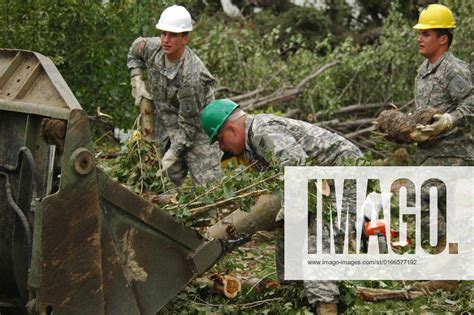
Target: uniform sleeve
x=460, y=89
x=141, y=50
x=279, y=147
x=208, y=80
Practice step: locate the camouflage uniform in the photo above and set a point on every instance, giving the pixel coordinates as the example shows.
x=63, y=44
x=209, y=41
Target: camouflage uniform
x=447, y=85
x=291, y=142
x=179, y=94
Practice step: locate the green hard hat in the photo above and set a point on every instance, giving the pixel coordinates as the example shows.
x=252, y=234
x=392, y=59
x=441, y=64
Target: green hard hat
x=214, y=116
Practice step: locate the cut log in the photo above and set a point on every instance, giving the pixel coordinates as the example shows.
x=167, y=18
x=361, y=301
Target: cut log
x=375, y=295
x=244, y=224
x=397, y=126
x=430, y=286
x=215, y=283
x=418, y=289
x=227, y=285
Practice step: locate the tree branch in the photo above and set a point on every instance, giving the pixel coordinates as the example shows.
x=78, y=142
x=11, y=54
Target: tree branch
x=200, y=210
x=280, y=95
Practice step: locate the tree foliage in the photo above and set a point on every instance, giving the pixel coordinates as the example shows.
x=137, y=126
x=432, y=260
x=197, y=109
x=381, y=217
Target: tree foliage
x=89, y=41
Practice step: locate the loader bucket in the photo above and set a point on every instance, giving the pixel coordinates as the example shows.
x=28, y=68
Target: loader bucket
x=72, y=241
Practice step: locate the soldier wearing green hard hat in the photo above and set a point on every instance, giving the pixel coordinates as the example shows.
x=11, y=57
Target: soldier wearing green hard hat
x=266, y=139
x=215, y=115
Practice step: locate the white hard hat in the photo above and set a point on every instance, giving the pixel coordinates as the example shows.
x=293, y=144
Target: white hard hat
x=175, y=19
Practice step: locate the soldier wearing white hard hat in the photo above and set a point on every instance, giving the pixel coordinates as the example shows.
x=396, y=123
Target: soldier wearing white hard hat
x=180, y=87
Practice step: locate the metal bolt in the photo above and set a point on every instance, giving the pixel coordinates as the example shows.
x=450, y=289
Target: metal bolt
x=83, y=161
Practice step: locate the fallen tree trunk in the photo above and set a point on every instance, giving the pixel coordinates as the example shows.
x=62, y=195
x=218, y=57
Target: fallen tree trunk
x=375, y=295
x=244, y=224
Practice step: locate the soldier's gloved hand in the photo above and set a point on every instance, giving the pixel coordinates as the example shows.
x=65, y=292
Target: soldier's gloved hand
x=139, y=89
x=168, y=160
x=442, y=122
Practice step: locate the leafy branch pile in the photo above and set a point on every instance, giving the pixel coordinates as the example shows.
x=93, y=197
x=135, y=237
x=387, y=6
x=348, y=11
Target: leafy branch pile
x=237, y=188
x=138, y=167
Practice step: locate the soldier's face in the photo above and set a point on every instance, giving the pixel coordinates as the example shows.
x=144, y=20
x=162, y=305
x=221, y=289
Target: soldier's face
x=231, y=139
x=430, y=45
x=173, y=44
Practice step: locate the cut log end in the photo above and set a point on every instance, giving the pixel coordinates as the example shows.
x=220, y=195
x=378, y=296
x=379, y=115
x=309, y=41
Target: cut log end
x=395, y=125
x=231, y=286
x=227, y=285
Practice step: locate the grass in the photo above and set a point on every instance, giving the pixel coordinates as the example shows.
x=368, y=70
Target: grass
x=256, y=259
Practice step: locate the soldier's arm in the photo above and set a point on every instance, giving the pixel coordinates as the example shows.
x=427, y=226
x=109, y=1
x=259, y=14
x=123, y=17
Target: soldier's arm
x=284, y=148
x=208, y=80
x=460, y=89
x=140, y=51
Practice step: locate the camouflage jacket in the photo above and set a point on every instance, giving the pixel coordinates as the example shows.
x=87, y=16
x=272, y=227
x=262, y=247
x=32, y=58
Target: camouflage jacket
x=273, y=139
x=447, y=85
x=179, y=92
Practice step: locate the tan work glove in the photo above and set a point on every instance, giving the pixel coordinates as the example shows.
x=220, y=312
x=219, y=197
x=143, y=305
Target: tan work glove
x=442, y=123
x=139, y=89
x=167, y=161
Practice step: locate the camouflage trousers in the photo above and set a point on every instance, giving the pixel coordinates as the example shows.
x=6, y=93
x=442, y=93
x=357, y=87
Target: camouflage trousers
x=425, y=200
x=316, y=291
x=202, y=161
x=319, y=291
